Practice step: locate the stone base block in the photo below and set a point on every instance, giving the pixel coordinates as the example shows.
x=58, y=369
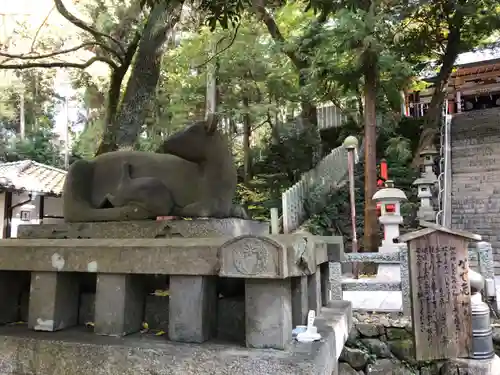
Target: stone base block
x=146, y=229
x=192, y=309
x=53, y=301
x=268, y=313
x=83, y=353
x=119, y=304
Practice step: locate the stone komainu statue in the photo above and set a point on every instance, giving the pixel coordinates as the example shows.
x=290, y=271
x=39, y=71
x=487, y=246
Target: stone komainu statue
x=191, y=175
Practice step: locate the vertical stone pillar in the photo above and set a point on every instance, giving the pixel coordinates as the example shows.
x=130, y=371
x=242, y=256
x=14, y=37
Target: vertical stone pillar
x=300, y=302
x=119, y=304
x=336, y=281
x=268, y=313
x=314, y=291
x=192, y=308
x=53, y=301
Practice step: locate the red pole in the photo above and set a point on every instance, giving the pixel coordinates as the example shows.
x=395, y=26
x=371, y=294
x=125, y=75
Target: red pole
x=383, y=170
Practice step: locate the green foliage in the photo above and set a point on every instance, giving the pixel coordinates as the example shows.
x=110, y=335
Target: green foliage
x=40, y=146
x=333, y=217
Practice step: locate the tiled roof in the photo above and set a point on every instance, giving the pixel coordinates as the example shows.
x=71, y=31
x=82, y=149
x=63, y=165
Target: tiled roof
x=28, y=175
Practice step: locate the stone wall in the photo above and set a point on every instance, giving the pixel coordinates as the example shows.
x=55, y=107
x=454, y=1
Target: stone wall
x=382, y=344
x=475, y=146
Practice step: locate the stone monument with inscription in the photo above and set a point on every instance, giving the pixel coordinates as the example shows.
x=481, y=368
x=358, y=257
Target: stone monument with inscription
x=440, y=292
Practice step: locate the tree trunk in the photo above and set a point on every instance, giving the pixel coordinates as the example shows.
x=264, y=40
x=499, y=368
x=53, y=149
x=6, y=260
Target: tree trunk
x=433, y=115
x=371, y=240
x=107, y=144
x=247, y=133
x=141, y=87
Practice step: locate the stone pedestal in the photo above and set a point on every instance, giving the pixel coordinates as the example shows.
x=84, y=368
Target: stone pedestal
x=146, y=229
x=53, y=301
x=192, y=309
x=119, y=304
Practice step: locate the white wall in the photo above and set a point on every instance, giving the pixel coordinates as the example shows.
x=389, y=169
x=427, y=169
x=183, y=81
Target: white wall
x=52, y=206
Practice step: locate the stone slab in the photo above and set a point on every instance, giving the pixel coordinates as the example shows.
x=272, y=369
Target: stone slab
x=76, y=352
x=165, y=256
x=146, y=229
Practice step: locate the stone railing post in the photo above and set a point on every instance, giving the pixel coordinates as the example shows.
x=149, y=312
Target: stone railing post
x=486, y=267
x=405, y=279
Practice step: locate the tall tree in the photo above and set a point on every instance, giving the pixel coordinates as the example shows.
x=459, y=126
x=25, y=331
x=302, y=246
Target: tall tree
x=438, y=31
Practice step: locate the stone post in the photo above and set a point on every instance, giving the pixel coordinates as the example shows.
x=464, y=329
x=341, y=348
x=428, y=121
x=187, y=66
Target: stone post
x=119, y=304
x=53, y=303
x=390, y=200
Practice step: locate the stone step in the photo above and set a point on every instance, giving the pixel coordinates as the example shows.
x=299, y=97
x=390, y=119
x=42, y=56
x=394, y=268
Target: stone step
x=79, y=352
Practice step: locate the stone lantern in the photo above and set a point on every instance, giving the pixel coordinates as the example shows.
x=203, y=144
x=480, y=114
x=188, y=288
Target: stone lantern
x=428, y=154
x=390, y=200
x=424, y=185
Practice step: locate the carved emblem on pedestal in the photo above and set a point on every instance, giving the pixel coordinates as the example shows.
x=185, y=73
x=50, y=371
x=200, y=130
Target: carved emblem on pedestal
x=252, y=256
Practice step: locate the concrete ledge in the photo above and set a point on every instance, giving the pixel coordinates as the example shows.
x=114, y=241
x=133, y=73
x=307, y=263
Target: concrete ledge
x=83, y=353
x=278, y=256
